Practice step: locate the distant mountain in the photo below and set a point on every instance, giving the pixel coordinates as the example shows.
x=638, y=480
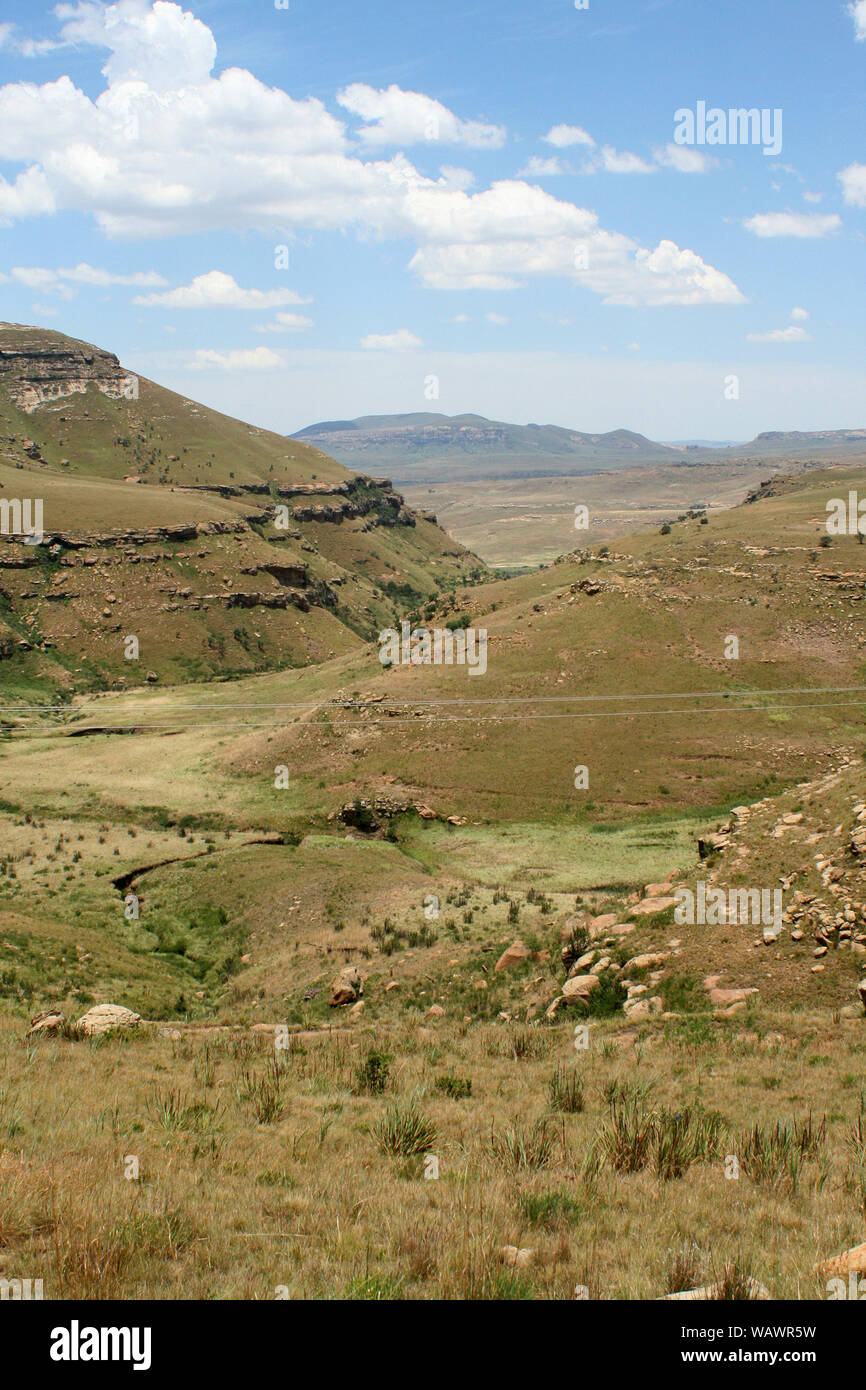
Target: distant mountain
x=426, y=447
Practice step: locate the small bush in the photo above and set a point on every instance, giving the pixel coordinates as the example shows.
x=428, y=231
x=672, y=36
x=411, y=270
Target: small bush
x=566, y=1091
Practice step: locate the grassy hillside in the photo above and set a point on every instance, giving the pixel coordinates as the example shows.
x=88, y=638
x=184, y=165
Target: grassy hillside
x=224, y=549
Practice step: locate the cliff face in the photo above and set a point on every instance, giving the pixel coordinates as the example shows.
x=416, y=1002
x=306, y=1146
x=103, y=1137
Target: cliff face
x=36, y=369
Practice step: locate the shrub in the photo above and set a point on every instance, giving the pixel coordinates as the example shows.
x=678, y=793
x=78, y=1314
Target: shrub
x=373, y=1074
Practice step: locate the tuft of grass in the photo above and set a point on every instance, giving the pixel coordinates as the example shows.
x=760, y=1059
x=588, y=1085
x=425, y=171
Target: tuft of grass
x=550, y=1209
x=454, y=1087
x=566, y=1091
x=404, y=1131
x=773, y=1156
x=521, y=1147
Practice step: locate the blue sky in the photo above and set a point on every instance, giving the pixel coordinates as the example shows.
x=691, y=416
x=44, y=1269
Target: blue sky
x=488, y=197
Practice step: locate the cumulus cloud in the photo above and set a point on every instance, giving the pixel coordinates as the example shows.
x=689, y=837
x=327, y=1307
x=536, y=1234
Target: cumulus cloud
x=685, y=159
x=396, y=117
x=857, y=11
x=217, y=290
x=167, y=149
x=564, y=135
x=793, y=224
x=65, y=281
x=781, y=335
x=260, y=359
x=799, y=315
x=853, y=181
x=539, y=168
x=622, y=162
x=285, y=323
x=400, y=341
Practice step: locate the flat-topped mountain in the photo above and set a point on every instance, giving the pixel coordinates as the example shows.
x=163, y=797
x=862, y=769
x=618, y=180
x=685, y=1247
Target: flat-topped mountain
x=429, y=447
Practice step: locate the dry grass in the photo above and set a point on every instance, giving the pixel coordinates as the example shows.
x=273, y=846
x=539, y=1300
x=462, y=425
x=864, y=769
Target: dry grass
x=326, y=1195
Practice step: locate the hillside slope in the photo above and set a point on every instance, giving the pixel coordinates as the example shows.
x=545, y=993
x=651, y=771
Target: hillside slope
x=222, y=548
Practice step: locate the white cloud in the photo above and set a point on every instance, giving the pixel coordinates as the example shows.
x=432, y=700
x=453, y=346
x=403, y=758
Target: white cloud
x=400, y=341
x=684, y=159
x=857, y=11
x=781, y=335
x=285, y=323
x=564, y=135
x=539, y=168
x=814, y=197
x=622, y=162
x=161, y=44
x=497, y=239
x=853, y=181
x=396, y=117
x=29, y=196
x=499, y=319
x=168, y=149
x=217, y=290
x=793, y=224
x=260, y=359
x=800, y=315
x=64, y=280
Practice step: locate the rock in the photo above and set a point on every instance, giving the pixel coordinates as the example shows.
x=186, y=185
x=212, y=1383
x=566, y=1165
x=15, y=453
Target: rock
x=579, y=988
x=851, y=1262
x=724, y=997
x=553, y=1009
x=649, y=961
x=714, y=1292
x=435, y=1011
x=515, y=955
x=516, y=1258
x=648, y=906
x=107, y=1018
x=426, y=812
x=392, y=984
x=48, y=1022
x=599, y=925
x=657, y=890
x=346, y=987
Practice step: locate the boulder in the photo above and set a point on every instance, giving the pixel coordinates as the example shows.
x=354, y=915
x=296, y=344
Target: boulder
x=107, y=1018
x=516, y=1258
x=713, y=1292
x=651, y=960
x=579, y=988
x=851, y=1262
x=346, y=987
x=515, y=955
x=647, y=907
x=46, y=1023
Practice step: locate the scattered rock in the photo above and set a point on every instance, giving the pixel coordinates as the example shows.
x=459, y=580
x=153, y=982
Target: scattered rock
x=515, y=955
x=346, y=987
x=107, y=1018
x=715, y=1292
x=579, y=988
x=851, y=1262
x=516, y=1258
x=48, y=1022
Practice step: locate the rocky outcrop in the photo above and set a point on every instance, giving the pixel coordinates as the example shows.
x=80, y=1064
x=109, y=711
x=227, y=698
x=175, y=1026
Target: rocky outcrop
x=36, y=369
